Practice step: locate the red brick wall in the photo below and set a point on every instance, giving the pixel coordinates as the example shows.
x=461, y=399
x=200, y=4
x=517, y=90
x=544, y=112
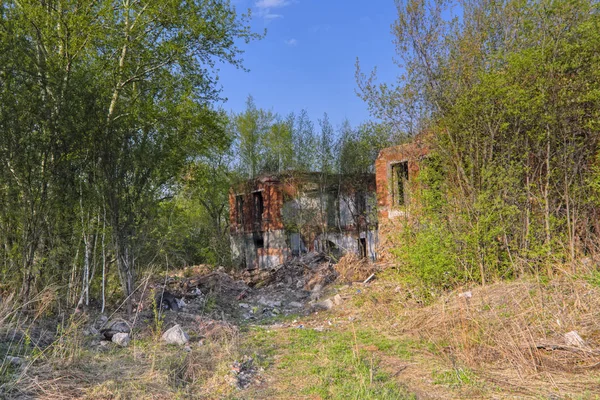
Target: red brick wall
x=272, y=204
x=412, y=153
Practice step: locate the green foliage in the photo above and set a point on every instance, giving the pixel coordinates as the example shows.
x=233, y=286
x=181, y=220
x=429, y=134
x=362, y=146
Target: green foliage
x=511, y=96
x=97, y=128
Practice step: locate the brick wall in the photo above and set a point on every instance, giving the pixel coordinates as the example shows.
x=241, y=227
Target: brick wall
x=412, y=153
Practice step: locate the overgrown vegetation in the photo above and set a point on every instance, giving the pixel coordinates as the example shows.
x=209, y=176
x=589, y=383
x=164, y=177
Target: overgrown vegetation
x=510, y=95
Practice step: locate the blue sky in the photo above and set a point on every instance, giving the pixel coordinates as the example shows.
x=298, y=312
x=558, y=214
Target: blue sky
x=307, y=59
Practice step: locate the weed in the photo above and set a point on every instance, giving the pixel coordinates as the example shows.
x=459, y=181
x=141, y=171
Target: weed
x=456, y=377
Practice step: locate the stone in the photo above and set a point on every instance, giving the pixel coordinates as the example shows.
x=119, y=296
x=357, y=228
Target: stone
x=100, y=321
x=337, y=299
x=466, y=295
x=176, y=335
x=573, y=339
x=91, y=331
x=324, y=305
x=244, y=305
x=15, y=361
x=114, y=328
x=295, y=304
x=122, y=339
x=269, y=303
x=316, y=292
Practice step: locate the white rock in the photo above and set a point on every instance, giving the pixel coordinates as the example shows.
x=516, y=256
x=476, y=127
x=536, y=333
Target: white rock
x=295, y=304
x=466, y=295
x=121, y=338
x=573, y=339
x=176, y=335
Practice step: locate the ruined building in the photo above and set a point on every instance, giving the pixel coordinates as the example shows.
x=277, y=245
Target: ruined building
x=276, y=217
x=396, y=169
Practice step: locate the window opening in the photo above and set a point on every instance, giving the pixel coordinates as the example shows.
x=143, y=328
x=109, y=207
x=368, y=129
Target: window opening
x=400, y=184
x=362, y=247
x=258, y=209
x=239, y=209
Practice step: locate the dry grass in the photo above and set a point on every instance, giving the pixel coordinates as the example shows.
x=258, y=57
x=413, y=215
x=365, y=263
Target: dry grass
x=352, y=268
x=145, y=370
x=508, y=337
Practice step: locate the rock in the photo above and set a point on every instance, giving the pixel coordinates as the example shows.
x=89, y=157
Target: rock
x=114, y=328
x=91, y=331
x=100, y=321
x=337, y=299
x=316, y=292
x=15, y=361
x=181, y=303
x=573, y=339
x=269, y=303
x=122, y=339
x=176, y=335
x=244, y=305
x=466, y=295
x=295, y=304
x=105, y=343
x=323, y=305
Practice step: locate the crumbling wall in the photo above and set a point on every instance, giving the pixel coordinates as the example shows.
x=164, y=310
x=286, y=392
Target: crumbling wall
x=296, y=216
x=411, y=153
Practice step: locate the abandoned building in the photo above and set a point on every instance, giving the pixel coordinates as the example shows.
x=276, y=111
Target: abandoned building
x=396, y=169
x=276, y=217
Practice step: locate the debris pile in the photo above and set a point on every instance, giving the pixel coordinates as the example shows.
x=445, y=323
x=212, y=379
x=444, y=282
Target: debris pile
x=245, y=373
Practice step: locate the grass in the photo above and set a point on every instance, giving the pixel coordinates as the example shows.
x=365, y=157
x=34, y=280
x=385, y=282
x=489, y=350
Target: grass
x=329, y=364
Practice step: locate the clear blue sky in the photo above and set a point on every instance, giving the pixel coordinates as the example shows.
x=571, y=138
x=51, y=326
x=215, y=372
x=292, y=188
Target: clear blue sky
x=307, y=59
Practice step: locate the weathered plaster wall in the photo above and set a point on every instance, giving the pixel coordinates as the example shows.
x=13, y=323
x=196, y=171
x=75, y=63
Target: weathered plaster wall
x=291, y=224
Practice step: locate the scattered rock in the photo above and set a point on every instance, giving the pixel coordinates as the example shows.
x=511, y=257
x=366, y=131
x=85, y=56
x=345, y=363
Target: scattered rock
x=114, y=328
x=295, y=304
x=244, y=372
x=91, y=331
x=466, y=295
x=105, y=343
x=573, y=339
x=15, y=361
x=245, y=305
x=323, y=305
x=100, y=321
x=316, y=292
x=337, y=299
x=176, y=335
x=122, y=339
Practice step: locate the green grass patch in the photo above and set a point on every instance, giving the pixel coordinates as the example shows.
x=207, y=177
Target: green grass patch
x=332, y=364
